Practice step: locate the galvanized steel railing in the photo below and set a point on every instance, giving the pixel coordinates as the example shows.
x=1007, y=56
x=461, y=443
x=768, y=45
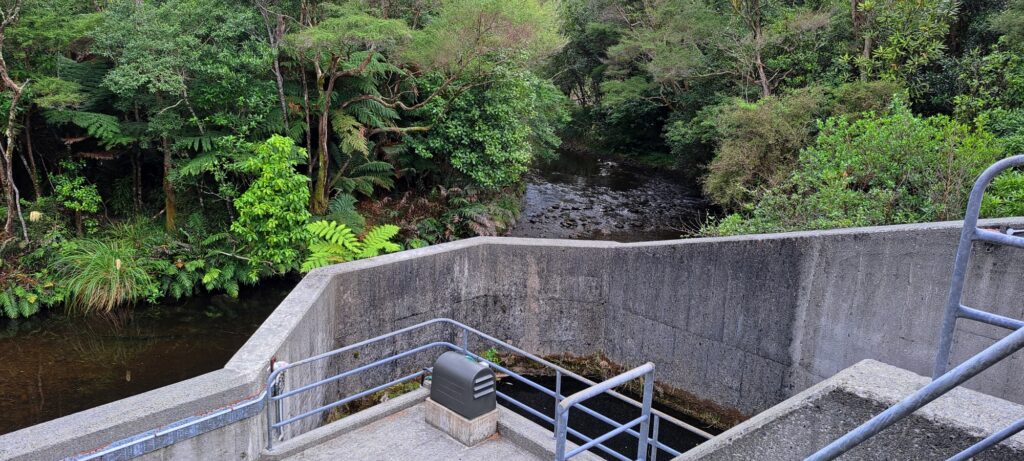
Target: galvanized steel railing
x=573, y=401
x=943, y=381
x=277, y=420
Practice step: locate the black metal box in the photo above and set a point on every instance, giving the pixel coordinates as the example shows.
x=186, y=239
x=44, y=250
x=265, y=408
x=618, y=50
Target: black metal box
x=463, y=385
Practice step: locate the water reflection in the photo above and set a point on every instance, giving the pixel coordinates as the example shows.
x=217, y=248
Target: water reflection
x=55, y=365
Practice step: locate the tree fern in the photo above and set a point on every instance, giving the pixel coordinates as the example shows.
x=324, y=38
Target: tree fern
x=373, y=114
x=342, y=209
x=105, y=128
x=333, y=232
x=351, y=134
x=198, y=143
x=9, y=303
x=336, y=243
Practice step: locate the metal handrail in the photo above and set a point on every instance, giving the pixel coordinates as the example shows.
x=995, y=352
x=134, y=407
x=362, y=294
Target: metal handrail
x=276, y=420
x=562, y=413
x=943, y=381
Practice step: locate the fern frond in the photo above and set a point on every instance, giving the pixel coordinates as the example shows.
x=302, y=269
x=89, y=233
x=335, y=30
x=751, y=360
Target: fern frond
x=336, y=233
x=9, y=304
x=215, y=238
x=200, y=143
x=378, y=240
x=105, y=128
x=351, y=134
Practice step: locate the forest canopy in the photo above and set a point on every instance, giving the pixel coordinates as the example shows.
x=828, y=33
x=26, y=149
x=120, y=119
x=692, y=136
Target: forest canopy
x=193, y=143
x=155, y=148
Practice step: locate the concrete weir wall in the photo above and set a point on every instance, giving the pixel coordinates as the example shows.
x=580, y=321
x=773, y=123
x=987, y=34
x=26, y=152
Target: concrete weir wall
x=745, y=322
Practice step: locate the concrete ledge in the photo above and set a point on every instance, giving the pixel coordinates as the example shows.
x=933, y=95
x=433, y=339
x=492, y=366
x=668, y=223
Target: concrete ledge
x=534, y=439
x=345, y=425
x=94, y=429
x=801, y=425
x=743, y=322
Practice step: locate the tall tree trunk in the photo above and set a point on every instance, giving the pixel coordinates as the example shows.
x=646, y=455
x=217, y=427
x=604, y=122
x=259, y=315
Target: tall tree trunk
x=309, y=124
x=278, y=35
x=136, y=180
x=275, y=33
x=766, y=89
x=170, y=209
x=9, y=16
x=318, y=202
x=866, y=55
x=33, y=172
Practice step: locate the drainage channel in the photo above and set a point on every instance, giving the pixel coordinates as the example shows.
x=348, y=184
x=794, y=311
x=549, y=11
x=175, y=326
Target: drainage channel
x=677, y=438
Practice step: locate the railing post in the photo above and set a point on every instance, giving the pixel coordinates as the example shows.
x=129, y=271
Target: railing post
x=561, y=430
x=645, y=426
x=465, y=340
x=654, y=448
x=269, y=405
x=968, y=234
x=558, y=387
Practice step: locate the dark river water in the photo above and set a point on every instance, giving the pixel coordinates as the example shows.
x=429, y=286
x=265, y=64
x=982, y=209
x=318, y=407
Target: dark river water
x=675, y=437
x=52, y=365
x=578, y=196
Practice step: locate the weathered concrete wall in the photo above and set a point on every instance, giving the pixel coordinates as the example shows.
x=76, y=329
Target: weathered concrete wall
x=807, y=422
x=744, y=321
x=749, y=321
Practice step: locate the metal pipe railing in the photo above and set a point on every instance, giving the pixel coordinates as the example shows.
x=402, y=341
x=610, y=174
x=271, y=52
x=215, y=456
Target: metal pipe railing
x=276, y=420
x=943, y=381
x=562, y=412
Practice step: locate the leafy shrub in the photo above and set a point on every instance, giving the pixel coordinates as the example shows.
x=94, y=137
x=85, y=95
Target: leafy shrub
x=272, y=213
x=491, y=133
x=881, y=169
x=74, y=193
x=1005, y=196
x=758, y=143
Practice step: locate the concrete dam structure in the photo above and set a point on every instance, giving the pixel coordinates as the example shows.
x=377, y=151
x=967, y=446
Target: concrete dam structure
x=761, y=326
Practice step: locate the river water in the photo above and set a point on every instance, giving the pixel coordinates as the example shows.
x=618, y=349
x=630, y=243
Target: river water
x=53, y=365
x=580, y=196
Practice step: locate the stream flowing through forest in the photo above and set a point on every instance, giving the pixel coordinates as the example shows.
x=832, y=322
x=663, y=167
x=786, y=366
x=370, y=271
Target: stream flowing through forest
x=55, y=365
x=579, y=196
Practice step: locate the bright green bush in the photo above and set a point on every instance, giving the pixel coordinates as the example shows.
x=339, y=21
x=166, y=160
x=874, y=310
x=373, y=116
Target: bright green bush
x=881, y=169
x=757, y=144
x=272, y=213
x=1005, y=196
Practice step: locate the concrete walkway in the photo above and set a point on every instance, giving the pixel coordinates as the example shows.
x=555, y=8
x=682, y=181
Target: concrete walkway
x=405, y=436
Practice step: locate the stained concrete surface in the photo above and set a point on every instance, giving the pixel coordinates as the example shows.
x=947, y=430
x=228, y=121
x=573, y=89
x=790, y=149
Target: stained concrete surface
x=405, y=436
x=801, y=425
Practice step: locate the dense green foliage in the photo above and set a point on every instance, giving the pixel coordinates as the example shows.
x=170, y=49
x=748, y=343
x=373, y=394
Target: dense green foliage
x=198, y=144
x=272, y=213
x=782, y=108
x=335, y=243
x=880, y=169
x=154, y=148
